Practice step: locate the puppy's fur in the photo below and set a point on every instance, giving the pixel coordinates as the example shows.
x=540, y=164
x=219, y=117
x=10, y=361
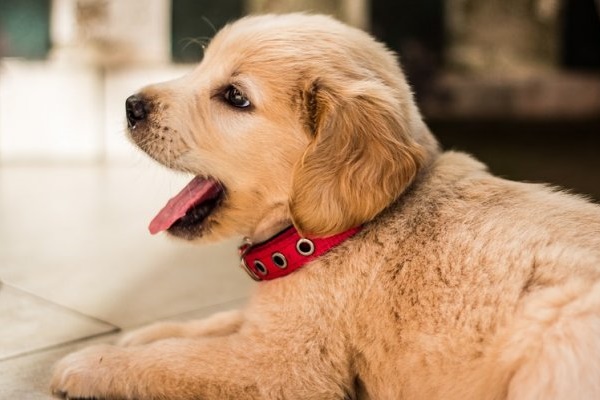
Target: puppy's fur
x=460, y=286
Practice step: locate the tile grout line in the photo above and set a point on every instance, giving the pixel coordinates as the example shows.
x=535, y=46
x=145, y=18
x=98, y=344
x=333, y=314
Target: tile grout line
x=107, y=333
x=58, y=345
x=57, y=305
x=114, y=328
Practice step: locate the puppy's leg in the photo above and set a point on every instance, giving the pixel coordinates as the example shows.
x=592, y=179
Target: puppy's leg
x=220, y=324
x=228, y=367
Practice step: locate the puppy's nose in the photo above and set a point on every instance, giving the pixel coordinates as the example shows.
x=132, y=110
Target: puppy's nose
x=135, y=108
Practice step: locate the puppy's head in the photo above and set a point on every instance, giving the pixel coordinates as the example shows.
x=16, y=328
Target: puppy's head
x=288, y=119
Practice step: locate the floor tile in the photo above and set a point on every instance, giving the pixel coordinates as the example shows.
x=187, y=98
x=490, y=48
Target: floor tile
x=75, y=250
x=28, y=324
x=77, y=236
x=27, y=377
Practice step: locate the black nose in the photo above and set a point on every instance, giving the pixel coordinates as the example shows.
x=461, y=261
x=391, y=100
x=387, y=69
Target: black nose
x=136, y=111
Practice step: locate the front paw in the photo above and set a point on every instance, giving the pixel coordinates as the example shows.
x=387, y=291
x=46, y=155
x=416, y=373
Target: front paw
x=90, y=373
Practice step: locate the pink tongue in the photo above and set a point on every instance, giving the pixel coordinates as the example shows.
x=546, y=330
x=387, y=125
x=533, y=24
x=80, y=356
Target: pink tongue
x=197, y=191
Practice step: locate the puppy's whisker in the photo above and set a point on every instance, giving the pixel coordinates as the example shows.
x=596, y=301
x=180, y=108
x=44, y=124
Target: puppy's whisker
x=209, y=23
x=150, y=143
x=147, y=141
x=201, y=41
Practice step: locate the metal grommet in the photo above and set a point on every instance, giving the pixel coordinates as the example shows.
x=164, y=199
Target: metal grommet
x=279, y=260
x=305, y=247
x=260, y=267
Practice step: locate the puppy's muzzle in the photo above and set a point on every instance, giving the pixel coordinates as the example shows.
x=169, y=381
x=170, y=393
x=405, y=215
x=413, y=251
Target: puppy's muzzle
x=136, y=110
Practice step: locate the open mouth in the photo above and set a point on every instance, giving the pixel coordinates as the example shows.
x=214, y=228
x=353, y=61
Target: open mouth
x=187, y=211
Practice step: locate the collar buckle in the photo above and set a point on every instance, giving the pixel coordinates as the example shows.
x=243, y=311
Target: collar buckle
x=244, y=249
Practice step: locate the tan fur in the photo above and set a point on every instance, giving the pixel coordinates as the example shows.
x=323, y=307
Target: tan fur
x=360, y=140
x=460, y=286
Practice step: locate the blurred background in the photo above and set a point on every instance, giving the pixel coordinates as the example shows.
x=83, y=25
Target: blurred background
x=517, y=82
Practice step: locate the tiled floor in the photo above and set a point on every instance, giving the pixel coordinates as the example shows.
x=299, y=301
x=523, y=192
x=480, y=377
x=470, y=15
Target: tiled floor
x=78, y=266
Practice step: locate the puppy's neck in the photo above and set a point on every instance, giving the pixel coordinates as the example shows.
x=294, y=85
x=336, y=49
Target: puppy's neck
x=270, y=225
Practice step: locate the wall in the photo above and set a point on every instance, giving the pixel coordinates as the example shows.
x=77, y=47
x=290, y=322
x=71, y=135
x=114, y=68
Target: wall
x=71, y=106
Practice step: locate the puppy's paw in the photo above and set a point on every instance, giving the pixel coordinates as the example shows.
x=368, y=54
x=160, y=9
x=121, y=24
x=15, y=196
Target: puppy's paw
x=89, y=373
x=151, y=333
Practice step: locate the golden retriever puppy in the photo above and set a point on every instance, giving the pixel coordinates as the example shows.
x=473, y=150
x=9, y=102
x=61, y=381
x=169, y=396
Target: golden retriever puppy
x=402, y=272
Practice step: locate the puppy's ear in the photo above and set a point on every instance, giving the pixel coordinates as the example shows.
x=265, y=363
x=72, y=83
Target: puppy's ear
x=361, y=157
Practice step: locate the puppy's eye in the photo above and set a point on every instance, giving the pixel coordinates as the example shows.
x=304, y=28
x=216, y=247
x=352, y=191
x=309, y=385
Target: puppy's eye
x=236, y=98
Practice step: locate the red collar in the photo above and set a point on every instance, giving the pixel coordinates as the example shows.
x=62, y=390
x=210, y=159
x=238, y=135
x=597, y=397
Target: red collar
x=286, y=252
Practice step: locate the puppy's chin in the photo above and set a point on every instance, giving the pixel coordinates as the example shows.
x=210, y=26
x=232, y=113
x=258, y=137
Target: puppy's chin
x=194, y=233
x=192, y=229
